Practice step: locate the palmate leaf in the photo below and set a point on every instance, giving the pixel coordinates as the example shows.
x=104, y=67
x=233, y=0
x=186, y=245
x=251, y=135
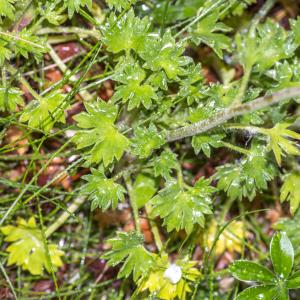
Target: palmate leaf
x=274, y=286
x=27, y=248
x=290, y=190
x=10, y=98
x=211, y=32
x=134, y=90
x=45, y=112
x=126, y=34
x=103, y=192
x=146, y=140
x=278, y=141
x=164, y=54
x=182, y=209
x=99, y=133
x=244, y=178
x=127, y=248
x=7, y=9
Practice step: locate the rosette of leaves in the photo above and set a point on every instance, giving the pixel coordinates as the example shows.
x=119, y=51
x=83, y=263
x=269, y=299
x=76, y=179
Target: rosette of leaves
x=28, y=249
x=183, y=208
x=272, y=285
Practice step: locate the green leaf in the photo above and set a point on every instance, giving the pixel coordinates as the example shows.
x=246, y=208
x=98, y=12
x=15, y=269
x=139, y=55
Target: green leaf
x=164, y=54
x=99, y=133
x=7, y=9
x=294, y=281
x=104, y=192
x=5, y=53
x=10, y=98
x=45, y=112
x=127, y=248
x=27, y=43
x=245, y=270
x=239, y=7
x=119, y=4
x=261, y=292
x=278, y=141
x=290, y=190
x=27, y=248
x=129, y=34
x=192, y=85
x=269, y=44
x=244, y=178
x=204, y=142
x=182, y=209
x=164, y=163
x=210, y=32
x=144, y=188
x=134, y=90
x=282, y=254
x=75, y=5
x=146, y=140
x=292, y=228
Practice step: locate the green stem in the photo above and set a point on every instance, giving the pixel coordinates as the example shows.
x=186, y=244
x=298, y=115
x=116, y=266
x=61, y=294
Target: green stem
x=83, y=94
x=236, y=148
x=133, y=203
x=64, y=216
x=154, y=228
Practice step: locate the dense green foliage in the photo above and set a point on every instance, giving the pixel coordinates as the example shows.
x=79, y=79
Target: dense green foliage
x=182, y=115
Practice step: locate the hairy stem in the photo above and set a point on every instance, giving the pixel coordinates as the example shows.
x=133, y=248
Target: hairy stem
x=231, y=112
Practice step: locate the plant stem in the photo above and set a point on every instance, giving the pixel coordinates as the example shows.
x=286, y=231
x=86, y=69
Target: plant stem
x=83, y=94
x=231, y=112
x=154, y=228
x=236, y=148
x=65, y=215
x=133, y=203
